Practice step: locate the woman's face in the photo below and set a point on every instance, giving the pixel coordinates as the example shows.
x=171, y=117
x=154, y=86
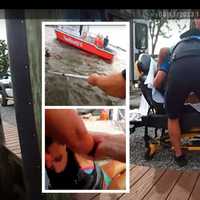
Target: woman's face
x=56, y=158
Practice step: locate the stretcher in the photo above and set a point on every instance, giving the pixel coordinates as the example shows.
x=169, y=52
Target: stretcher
x=156, y=118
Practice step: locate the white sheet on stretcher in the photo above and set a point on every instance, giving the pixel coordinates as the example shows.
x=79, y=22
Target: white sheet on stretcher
x=196, y=106
x=136, y=114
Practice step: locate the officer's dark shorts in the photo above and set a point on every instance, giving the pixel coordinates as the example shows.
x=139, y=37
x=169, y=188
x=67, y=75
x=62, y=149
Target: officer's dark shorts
x=183, y=78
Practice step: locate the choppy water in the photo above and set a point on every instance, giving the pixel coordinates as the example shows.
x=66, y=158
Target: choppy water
x=70, y=91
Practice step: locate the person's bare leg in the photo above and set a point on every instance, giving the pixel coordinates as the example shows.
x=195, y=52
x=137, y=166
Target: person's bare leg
x=118, y=182
x=113, y=168
x=117, y=172
x=175, y=135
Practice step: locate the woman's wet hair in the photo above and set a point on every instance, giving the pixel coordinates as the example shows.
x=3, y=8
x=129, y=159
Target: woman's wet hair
x=48, y=142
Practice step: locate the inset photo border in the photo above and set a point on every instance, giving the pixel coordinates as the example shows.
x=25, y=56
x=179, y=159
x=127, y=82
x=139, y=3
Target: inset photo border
x=46, y=55
x=76, y=67
x=94, y=120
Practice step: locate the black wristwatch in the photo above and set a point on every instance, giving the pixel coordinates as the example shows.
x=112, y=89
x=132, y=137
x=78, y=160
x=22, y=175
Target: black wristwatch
x=124, y=74
x=92, y=152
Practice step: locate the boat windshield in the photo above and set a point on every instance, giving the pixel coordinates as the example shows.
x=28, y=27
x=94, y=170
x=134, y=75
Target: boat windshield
x=83, y=33
x=73, y=30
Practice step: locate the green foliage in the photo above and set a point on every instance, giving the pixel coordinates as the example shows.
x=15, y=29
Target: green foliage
x=181, y=26
x=4, y=63
x=156, y=30
x=161, y=28
x=159, y=23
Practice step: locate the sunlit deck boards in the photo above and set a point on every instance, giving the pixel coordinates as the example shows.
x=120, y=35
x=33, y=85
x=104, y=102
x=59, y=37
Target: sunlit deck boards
x=11, y=138
x=155, y=184
x=10, y=129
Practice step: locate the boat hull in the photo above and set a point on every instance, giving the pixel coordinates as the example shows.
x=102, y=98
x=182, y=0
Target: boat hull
x=83, y=45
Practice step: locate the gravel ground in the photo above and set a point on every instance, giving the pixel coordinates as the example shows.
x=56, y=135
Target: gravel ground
x=162, y=159
x=135, y=95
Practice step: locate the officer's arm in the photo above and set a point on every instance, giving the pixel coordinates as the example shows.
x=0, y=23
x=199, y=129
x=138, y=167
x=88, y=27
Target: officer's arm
x=159, y=79
x=162, y=68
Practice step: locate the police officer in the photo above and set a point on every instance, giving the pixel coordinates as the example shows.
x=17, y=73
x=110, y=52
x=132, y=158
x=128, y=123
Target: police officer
x=180, y=66
x=106, y=41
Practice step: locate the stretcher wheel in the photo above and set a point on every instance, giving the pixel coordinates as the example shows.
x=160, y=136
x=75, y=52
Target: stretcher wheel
x=151, y=150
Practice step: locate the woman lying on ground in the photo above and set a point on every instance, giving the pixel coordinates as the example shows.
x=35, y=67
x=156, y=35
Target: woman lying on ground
x=69, y=170
x=70, y=151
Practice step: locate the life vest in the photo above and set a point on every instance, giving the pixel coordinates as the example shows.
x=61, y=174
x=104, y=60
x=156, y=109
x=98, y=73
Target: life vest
x=96, y=42
x=100, y=43
x=187, y=47
x=104, y=115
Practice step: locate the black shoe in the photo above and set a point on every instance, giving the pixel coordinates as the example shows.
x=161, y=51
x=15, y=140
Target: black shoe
x=181, y=160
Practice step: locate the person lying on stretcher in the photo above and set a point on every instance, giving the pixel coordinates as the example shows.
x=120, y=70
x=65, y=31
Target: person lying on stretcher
x=70, y=155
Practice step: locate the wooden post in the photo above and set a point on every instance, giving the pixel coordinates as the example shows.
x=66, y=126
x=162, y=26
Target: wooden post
x=24, y=38
x=20, y=70
x=34, y=39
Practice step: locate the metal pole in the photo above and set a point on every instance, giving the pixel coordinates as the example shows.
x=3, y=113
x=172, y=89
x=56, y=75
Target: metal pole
x=18, y=53
x=131, y=51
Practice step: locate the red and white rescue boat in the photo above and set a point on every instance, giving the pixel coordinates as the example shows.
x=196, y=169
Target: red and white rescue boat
x=86, y=44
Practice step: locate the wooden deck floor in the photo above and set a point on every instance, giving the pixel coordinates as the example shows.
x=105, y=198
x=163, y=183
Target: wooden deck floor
x=10, y=128
x=155, y=184
x=11, y=138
